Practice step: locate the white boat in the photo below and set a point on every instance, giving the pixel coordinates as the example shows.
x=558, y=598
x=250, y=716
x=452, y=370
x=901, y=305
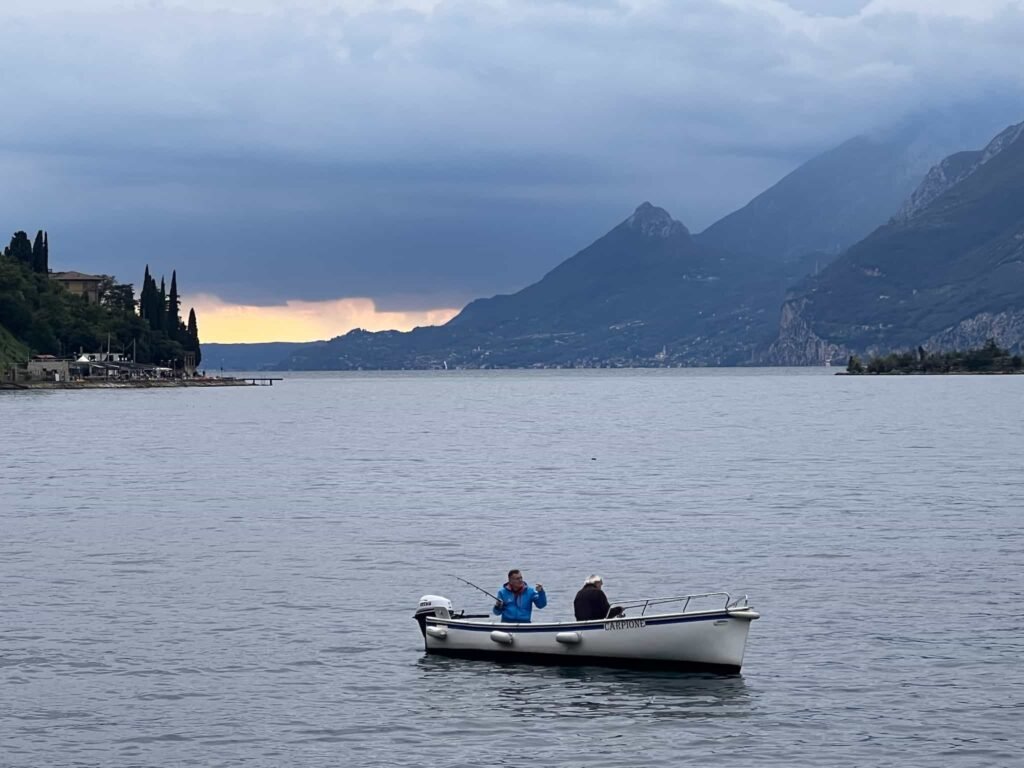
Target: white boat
x=705, y=632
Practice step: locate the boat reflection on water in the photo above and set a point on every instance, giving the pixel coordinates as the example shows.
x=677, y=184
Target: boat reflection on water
x=590, y=691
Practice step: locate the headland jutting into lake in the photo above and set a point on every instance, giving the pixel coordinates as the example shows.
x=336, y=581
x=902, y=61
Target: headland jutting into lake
x=988, y=359
x=169, y=383
x=73, y=330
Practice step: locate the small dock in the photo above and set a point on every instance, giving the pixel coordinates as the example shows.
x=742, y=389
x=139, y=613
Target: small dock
x=259, y=381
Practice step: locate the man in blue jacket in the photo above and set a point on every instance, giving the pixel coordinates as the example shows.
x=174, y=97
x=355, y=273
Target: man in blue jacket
x=517, y=598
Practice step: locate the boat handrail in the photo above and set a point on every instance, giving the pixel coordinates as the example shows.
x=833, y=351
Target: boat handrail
x=645, y=603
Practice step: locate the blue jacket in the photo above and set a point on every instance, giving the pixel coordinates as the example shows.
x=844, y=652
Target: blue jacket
x=518, y=608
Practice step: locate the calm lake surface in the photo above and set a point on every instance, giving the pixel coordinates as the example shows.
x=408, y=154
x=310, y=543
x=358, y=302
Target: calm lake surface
x=227, y=577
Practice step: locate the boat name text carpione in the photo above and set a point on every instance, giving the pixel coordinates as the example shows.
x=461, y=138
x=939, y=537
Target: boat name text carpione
x=626, y=624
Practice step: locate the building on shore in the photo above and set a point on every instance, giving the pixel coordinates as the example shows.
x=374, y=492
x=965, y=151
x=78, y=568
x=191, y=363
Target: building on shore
x=80, y=284
x=103, y=357
x=93, y=365
x=48, y=368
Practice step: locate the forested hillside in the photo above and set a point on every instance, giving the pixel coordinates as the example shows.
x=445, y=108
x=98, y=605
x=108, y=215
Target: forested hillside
x=39, y=316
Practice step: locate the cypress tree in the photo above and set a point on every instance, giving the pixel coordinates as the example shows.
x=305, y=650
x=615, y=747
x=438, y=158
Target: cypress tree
x=38, y=255
x=146, y=297
x=150, y=306
x=20, y=248
x=173, y=308
x=160, y=314
x=192, y=333
x=154, y=299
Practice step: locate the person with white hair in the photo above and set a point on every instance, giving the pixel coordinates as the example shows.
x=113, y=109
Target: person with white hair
x=591, y=603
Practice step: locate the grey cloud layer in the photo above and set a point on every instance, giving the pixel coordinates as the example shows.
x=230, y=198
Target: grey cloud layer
x=441, y=149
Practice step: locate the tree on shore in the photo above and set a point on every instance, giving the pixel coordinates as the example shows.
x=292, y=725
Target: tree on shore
x=146, y=309
x=20, y=248
x=161, y=308
x=35, y=254
x=41, y=254
x=173, y=322
x=192, y=334
x=989, y=358
x=118, y=297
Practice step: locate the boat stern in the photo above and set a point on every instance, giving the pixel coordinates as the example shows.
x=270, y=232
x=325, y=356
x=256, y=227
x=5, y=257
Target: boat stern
x=432, y=605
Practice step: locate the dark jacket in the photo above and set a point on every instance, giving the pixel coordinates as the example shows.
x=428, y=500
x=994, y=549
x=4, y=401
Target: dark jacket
x=590, y=603
x=517, y=607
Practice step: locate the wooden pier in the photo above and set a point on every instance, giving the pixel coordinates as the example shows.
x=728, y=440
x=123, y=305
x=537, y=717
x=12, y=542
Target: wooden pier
x=260, y=381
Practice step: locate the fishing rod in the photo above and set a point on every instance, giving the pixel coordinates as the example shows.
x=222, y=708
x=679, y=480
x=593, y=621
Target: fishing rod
x=474, y=586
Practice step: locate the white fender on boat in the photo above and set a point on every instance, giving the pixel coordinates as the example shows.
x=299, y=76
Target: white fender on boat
x=501, y=637
x=744, y=613
x=569, y=638
x=439, y=632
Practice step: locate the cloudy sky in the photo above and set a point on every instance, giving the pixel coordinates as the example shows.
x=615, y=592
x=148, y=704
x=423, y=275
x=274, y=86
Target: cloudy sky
x=309, y=166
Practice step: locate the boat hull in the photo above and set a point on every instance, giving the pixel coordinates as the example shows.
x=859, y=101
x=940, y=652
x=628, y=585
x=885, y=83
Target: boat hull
x=581, y=660
x=712, y=641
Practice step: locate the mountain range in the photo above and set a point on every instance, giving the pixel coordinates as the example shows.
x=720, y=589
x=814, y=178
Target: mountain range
x=646, y=286
x=816, y=245
x=840, y=196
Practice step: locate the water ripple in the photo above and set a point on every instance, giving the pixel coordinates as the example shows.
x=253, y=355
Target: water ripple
x=227, y=577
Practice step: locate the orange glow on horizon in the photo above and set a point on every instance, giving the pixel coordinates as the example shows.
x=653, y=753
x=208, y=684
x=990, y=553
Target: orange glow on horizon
x=224, y=323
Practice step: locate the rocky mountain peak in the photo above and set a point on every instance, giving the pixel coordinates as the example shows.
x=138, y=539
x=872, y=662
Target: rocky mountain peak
x=955, y=169
x=652, y=221
x=1002, y=141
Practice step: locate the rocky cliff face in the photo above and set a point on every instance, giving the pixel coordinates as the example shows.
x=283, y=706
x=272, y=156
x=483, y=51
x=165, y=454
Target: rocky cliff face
x=1006, y=328
x=797, y=343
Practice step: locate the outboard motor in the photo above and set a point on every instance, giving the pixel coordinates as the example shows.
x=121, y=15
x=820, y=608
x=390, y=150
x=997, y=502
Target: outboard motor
x=432, y=605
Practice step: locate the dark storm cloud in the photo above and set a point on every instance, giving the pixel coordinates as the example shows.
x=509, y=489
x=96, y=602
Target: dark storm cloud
x=423, y=152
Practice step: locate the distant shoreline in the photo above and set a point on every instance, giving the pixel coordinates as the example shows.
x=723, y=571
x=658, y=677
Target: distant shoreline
x=931, y=373
x=104, y=384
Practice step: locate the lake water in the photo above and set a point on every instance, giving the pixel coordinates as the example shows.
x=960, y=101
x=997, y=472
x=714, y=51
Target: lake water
x=227, y=577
